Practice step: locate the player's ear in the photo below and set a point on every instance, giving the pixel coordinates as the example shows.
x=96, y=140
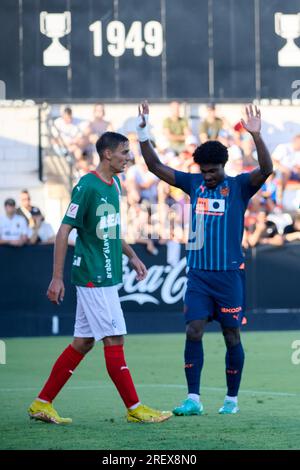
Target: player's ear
x=107, y=154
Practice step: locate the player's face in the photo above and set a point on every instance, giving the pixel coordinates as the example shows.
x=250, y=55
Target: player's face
x=213, y=174
x=120, y=157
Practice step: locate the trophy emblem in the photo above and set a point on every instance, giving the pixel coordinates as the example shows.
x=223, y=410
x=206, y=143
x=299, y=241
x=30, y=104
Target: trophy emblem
x=55, y=26
x=288, y=27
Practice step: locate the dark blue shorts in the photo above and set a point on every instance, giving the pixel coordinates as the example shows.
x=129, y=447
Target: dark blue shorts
x=215, y=295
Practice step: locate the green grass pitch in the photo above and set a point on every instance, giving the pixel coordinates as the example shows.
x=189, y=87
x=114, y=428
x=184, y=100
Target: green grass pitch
x=269, y=398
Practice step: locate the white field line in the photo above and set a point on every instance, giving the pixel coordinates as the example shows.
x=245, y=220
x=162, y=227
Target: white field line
x=175, y=386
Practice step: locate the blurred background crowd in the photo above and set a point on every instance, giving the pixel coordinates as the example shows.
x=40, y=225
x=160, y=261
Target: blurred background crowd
x=153, y=212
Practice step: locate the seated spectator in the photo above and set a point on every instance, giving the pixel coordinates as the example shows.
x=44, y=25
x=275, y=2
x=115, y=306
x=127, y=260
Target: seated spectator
x=176, y=128
x=263, y=232
x=211, y=125
x=186, y=156
x=25, y=209
x=292, y=232
x=141, y=184
x=98, y=125
x=67, y=134
x=84, y=164
x=234, y=165
x=42, y=232
x=13, y=227
x=286, y=158
x=269, y=194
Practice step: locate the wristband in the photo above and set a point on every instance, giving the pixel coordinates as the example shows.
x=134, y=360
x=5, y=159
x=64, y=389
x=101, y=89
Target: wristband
x=142, y=132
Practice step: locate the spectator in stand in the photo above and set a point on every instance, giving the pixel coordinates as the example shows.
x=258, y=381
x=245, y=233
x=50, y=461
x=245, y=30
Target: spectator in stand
x=176, y=128
x=234, y=165
x=41, y=233
x=13, y=227
x=67, y=136
x=84, y=164
x=98, y=125
x=264, y=232
x=286, y=158
x=186, y=156
x=211, y=125
x=141, y=188
x=25, y=209
x=292, y=232
x=268, y=193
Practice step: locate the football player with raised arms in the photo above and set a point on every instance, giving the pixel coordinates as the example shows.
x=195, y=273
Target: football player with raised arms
x=215, y=279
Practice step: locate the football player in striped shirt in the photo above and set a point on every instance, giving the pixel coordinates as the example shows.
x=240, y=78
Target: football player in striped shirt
x=215, y=284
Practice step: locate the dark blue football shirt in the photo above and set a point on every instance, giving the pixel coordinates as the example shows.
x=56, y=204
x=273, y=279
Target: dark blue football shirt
x=216, y=220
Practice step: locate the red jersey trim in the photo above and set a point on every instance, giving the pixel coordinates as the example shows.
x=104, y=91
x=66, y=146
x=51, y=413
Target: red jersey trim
x=90, y=284
x=100, y=177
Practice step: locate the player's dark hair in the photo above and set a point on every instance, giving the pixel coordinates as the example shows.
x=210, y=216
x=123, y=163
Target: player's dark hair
x=109, y=140
x=211, y=152
x=25, y=191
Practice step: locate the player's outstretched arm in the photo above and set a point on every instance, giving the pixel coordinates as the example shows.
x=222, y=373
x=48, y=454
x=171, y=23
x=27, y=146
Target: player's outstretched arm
x=253, y=126
x=56, y=289
x=154, y=164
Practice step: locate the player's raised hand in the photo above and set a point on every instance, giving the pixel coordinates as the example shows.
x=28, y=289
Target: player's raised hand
x=139, y=267
x=143, y=113
x=56, y=291
x=253, y=119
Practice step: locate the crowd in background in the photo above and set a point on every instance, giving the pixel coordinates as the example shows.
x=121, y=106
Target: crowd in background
x=155, y=211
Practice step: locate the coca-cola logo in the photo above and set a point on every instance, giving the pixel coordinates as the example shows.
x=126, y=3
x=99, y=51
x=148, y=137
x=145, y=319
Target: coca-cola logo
x=163, y=284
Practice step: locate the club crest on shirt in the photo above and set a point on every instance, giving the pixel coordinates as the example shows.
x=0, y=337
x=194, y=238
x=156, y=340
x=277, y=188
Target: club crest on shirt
x=224, y=191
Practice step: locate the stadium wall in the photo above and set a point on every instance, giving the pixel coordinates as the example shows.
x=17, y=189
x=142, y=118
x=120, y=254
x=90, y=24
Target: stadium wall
x=151, y=306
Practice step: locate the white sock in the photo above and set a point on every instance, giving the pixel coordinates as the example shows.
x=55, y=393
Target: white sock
x=133, y=407
x=194, y=396
x=43, y=401
x=234, y=399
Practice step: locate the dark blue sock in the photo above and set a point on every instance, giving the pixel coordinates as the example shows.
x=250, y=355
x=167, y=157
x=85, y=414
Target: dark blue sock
x=193, y=358
x=234, y=361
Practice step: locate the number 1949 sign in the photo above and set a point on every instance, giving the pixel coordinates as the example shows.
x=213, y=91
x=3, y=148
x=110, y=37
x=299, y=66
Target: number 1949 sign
x=147, y=38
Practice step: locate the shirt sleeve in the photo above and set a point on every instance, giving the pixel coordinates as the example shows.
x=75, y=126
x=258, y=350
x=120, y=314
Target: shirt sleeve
x=247, y=189
x=23, y=227
x=183, y=181
x=77, y=207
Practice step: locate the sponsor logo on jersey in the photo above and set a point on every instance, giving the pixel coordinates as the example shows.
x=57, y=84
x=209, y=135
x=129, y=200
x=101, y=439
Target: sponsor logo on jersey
x=231, y=310
x=110, y=220
x=72, y=210
x=210, y=206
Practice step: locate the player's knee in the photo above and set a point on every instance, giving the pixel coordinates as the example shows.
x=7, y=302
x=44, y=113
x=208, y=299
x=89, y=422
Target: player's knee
x=83, y=345
x=193, y=332
x=231, y=336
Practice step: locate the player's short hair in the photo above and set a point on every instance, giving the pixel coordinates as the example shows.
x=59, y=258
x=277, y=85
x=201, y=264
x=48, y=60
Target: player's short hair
x=109, y=140
x=211, y=152
x=68, y=111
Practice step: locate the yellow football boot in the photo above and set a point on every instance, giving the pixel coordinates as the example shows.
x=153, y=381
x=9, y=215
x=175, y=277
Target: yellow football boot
x=45, y=412
x=144, y=414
